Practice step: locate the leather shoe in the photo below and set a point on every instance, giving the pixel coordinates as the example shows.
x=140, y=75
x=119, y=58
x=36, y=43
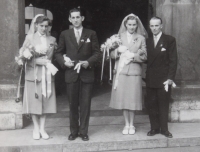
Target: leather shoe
x=84, y=137
x=72, y=137
x=153, y=132
x=166, y=134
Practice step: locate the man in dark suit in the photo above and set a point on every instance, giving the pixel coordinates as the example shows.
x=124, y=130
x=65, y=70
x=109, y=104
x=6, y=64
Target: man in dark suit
x=82, y=51
x=160, y=74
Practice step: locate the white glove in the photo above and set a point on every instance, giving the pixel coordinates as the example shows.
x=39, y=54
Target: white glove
x=67, y=59
x=78, y=67
x=51, y=68
x=166, y=83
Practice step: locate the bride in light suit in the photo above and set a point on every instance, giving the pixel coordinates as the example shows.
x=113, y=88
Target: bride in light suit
x=39, y=89
x=128, y=94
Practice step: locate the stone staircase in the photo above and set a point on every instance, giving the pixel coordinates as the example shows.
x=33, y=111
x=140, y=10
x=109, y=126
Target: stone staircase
x=105, y=129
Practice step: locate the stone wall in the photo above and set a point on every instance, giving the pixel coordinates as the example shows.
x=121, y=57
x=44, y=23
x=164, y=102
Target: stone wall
x=12, y=36
x=181, y=19
x=185, y=104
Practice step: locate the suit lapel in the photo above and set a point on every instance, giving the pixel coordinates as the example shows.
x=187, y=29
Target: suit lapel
x=73, y=38
x=124, y=39
x=154, y=52
x=83, y=37
x=49, y=51
x=132, y=43
x=160, y=41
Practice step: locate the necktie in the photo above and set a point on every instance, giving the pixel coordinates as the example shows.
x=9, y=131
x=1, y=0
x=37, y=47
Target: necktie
x=155, y=41
x=77, y=37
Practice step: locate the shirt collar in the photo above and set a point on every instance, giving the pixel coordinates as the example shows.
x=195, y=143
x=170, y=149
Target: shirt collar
x=40, y=35
x=158, y=36
x=129, y=34
x=79, y=30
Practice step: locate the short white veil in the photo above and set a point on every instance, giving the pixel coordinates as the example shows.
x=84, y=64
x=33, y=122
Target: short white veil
x=140, y=29
x=32, y=29
x=30, y=33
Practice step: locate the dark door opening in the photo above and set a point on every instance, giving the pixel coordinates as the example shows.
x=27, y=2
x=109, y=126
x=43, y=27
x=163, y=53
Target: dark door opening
x=102, y=16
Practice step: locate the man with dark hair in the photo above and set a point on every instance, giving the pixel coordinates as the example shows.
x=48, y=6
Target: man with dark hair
x=160, y=74
x=82, y=52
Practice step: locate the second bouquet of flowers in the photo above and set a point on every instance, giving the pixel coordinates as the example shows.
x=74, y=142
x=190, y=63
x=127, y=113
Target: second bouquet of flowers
x=111, y=43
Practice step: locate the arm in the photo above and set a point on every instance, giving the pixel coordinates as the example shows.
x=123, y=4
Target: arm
x=42, y=61
x=95, y=50
x=172, y=59
x=46, y=58
x=141, y=55
x=60, y=51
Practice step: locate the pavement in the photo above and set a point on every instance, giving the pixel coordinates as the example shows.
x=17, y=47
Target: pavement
x=105, y=132
x=105, y=135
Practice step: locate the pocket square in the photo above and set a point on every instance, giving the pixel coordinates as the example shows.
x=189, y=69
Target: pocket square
x=88, y=40
x=163, y=49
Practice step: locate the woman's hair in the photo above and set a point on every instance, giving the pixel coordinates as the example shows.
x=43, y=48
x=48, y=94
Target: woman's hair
x=130, y=18
x=41, y=19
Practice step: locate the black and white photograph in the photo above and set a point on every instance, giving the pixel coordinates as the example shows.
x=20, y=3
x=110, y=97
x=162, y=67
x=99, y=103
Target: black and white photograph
x=100, y=76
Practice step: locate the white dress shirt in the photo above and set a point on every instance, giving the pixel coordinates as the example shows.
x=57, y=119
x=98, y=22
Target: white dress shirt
x=129, y=36
x=156, y=38
x=43, y=39
x=79, y=30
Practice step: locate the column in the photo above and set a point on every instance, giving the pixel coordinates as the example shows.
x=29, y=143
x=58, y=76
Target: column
x=181, y=19
x=12, y=36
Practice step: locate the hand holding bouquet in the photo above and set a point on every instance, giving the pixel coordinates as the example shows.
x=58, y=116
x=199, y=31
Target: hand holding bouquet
x=111, y=43
x=25, y=53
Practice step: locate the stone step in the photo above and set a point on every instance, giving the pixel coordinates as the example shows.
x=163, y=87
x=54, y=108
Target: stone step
x=186, y=92
x=94, y=121
x=173, y=149
x=99, y=107
x=105, y=135
x=98, y=113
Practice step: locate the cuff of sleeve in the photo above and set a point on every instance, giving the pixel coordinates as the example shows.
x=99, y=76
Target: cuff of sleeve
x=90, y=64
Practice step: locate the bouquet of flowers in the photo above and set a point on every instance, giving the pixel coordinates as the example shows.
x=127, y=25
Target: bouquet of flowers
x=25, y=53
x=28, y=51
x=111, y=43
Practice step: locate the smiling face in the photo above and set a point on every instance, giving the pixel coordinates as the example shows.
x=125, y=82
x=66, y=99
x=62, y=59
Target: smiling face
x=155, y=26
x=42, y=27
x=76, y=19
x=131, y=26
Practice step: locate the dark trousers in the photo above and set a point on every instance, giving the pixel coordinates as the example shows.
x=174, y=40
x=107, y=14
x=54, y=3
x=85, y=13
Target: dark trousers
x=79, y=95
x=158, y=107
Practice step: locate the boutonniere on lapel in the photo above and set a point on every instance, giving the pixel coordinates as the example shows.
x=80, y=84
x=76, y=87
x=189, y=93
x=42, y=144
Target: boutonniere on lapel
x=82, y=40
x=88, y=40
x=51, y=45
x=162, y=48
x=135, y=40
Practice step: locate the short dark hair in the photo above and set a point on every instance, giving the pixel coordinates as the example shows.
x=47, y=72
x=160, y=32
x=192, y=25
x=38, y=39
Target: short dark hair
x=41, y=19
x=130, y=18
x=156, y=18
x=76, y=9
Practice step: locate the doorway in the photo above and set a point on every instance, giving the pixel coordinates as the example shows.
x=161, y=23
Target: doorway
x=102, y=16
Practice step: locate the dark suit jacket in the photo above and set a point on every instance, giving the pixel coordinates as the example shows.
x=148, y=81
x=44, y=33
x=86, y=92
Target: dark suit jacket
x=88, y=49
x=161, y=61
